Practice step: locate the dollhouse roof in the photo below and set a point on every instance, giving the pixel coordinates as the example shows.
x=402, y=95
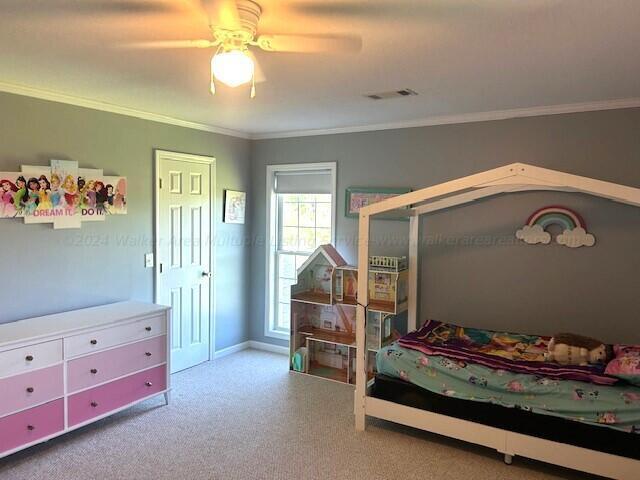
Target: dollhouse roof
x=329, y=252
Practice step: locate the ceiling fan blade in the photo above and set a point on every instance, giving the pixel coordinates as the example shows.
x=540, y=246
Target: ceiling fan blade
x=88, y=7
x=166, y=44
x=258, y=73
x=222, y=13
x=411, y=10
x=310, y=43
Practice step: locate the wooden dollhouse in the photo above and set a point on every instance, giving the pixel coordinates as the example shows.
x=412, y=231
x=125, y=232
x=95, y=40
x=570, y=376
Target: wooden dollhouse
x=323, y=312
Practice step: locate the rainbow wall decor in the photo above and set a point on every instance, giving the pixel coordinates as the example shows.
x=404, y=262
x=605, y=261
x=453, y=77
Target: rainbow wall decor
x=574, y=230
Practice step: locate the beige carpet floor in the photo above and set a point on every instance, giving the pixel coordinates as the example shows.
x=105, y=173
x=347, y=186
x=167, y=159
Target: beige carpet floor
x=245, y=417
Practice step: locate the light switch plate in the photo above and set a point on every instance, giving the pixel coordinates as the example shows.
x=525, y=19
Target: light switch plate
x=148, y=260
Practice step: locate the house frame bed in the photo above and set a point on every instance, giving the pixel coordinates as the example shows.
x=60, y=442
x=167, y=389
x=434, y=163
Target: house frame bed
x=517, y=177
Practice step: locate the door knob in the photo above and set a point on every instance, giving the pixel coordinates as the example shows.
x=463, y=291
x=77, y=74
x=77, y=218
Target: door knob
x=207, y=274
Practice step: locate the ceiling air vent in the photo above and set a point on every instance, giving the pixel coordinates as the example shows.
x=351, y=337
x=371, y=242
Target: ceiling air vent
x=405, y=92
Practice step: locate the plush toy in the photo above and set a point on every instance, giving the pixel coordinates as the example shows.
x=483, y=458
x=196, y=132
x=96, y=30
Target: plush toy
x=570, y=349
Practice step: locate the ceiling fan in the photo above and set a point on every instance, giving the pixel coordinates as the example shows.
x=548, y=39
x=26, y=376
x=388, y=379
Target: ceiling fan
x=234, y=27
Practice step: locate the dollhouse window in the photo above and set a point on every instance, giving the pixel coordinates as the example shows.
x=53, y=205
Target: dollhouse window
x=301, y=210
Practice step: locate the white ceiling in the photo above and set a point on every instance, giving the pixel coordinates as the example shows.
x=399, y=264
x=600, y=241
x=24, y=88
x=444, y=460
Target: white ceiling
x=462, y=56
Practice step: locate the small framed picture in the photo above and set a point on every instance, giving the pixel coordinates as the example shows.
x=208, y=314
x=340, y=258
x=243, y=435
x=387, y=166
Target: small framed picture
x=358, y=197
x=235, y=204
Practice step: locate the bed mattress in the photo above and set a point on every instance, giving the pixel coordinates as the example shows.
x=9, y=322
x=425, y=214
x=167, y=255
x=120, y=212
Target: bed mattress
x=602, y=407
x=520, y=421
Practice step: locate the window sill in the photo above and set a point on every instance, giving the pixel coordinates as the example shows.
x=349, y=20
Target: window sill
x=277, y=334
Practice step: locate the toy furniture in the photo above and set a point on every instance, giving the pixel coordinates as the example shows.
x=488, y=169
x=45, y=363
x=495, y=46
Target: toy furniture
x=323, y=310
x=61, y=372
x=388, y=284
x=516, y=177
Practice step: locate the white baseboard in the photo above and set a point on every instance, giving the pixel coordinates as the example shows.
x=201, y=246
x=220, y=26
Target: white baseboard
x=232, y=349
x=267, y=347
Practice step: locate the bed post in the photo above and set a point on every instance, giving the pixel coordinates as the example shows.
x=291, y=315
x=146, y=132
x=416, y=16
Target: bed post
x=414, y=249
x=361, y=331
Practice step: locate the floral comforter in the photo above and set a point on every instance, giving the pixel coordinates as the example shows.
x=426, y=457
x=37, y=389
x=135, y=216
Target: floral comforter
x=518, y=353
x=616, y=406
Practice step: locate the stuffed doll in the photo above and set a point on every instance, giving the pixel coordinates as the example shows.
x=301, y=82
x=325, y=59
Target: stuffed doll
x=570, y=349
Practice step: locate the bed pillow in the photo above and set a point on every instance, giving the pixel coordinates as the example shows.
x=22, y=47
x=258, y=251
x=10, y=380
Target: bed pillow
x=626, y=364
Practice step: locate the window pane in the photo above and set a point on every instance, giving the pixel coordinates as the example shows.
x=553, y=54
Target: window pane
x=323, y=236
x=289, y=238
x=289, y=214
x=287, y=266
x=283, y=321
x=304, y=223
x=307, y=215
x=307, y=239
x=300, y=259
x=323, y=215
x=284, y=288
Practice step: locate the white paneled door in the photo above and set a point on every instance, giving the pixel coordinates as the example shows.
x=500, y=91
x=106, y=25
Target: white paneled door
x=184, y=253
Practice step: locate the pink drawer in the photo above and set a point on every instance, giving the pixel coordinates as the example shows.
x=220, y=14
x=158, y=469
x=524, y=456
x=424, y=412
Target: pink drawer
x=24, y=391
x=31, y=425
x=98, y=401
x=101, y=367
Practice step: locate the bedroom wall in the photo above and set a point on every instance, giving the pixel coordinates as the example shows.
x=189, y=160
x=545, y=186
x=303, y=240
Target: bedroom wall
x=46, y=271
x=473, y=272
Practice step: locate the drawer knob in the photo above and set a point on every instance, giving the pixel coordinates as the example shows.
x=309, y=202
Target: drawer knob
x=148, y=354
x=30, y=427
x=29, y=358
x=93, y=342
x=148, y=329
x=148, y=384
x=29, y=389
x=94, y=404
x=94, y=370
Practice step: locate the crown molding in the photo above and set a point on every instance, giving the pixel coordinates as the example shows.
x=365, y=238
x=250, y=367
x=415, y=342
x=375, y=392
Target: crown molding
x=463, y=118
x=49, y=95
x=52, y=96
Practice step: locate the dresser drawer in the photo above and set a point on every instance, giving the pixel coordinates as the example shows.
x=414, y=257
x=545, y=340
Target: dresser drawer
x=85, y=372
x=31, y=425
x=28, y=389
x=27, y=359
x=110, y=337
x=98, y=401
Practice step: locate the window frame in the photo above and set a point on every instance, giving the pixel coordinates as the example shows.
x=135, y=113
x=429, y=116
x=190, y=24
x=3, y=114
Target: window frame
x=272, y=247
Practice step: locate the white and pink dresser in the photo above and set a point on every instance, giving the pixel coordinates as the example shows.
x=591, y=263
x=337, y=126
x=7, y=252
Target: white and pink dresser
x=60, y=372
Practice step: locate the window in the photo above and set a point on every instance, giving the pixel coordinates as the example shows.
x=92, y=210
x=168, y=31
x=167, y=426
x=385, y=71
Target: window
x=300, y=209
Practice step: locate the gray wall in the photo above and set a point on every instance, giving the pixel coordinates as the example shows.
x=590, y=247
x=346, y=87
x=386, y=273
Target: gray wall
x=474, y=273
x=47, y=271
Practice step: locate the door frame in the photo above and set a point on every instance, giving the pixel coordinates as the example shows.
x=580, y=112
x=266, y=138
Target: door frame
x=160, y=155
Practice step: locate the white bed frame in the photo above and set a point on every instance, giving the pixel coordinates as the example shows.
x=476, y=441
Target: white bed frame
x=517, y=177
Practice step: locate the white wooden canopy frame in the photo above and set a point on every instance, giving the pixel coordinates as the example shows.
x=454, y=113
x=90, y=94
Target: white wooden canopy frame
x=517, y=177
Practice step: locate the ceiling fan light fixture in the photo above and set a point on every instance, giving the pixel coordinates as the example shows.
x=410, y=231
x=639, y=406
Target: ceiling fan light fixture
x=233, y=67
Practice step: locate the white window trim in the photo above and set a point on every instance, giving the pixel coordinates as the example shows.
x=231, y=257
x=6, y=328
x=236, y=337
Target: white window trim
x=272, y=230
